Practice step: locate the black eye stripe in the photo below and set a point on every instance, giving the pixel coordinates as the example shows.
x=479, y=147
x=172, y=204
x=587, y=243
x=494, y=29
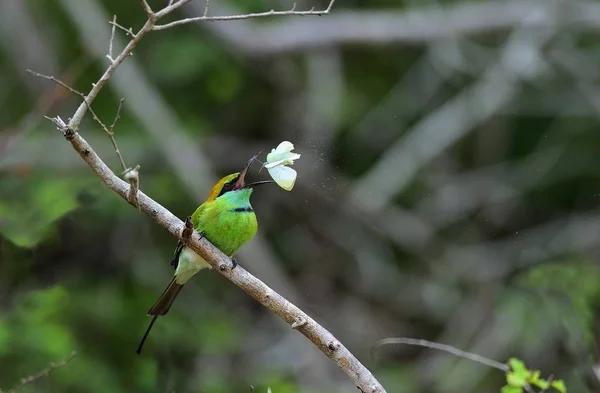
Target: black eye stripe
x=227, y=187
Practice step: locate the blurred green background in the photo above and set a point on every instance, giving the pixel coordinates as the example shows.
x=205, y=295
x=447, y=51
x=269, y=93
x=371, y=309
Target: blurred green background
x=447, y=190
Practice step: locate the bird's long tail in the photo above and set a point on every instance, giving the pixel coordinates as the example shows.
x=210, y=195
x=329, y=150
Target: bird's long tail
x=165, y=301
x=161, y=307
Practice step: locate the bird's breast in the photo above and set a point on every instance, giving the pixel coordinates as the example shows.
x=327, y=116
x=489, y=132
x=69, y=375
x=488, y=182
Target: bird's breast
x=230, y=228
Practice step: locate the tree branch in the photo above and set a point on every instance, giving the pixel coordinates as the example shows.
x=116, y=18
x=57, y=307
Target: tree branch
x=259, y=291
x=445, y=348
x=254, y=287
x=146, y=7
x=42, y=374
x=206, y=18
x=80, y=112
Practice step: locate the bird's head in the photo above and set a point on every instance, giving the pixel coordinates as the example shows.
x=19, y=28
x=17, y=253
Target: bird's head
x=235, y=182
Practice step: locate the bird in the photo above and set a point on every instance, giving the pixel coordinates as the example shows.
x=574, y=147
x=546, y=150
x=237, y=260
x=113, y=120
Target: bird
x=227, y=220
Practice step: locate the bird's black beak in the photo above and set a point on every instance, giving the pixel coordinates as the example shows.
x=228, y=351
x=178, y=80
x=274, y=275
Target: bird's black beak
x=240, y=183
x=258, y=183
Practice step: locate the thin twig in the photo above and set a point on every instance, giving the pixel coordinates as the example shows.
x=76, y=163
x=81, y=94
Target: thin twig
x=127, y=31
x=72, y=90
x=146, y=7
x=111, y=134
x=43, y=373
x=132, y=175
x=445, y=348
x=206, y=8
x=112, y=39
x=170, y=8
x=127, y=51
x=206, y=18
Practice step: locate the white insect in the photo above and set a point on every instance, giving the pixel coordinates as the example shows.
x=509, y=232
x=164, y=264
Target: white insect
x=277, y=161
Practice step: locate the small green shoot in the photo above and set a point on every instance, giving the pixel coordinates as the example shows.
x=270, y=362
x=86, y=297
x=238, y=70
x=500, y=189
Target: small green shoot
x=519, y=379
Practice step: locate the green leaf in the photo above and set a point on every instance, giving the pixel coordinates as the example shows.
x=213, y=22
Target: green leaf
x=511, y=389
x=514, y=379
x=535, y=380
x=518, y=366
x=519, y=374
x=559, y=385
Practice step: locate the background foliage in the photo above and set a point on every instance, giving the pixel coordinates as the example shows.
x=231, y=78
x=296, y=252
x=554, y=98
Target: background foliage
x=447, y=191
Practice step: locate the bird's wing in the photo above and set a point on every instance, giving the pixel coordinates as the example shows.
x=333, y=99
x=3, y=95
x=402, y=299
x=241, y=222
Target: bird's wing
x=197, y=223
x=175, y=260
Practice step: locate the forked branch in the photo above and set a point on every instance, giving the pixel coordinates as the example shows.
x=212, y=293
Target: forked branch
x=206, y=18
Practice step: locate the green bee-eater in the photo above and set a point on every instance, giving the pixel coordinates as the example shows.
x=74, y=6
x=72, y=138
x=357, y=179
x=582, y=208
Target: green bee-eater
x=227, y=220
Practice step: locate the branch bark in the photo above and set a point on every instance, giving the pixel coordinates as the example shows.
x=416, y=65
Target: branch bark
x=254, y=287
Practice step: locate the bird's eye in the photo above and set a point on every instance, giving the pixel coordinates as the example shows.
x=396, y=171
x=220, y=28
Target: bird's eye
x=227, y=187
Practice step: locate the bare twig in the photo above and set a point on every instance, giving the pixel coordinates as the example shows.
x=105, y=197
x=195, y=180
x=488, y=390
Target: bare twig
x=108, y=131
x=127, y=31
x=41, y=374
x=207, y=5
x=170, y=8
x=127, y=51
x=111, y=134
x=206, y=18
x=72, y=90
x=443, y=347
x=58, y=81
x=131, y=174
x=146, y=7
x=112, y=39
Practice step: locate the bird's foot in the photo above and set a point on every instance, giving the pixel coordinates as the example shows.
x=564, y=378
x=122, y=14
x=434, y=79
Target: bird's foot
x=233, y=263
x=188, y=229
x=200, y=235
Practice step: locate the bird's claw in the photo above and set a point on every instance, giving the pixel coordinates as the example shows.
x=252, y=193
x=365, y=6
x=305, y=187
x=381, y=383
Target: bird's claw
x=233, y=263
x=187, y=231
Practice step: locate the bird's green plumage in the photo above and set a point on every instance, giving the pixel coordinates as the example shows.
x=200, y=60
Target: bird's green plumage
x=227, y=222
